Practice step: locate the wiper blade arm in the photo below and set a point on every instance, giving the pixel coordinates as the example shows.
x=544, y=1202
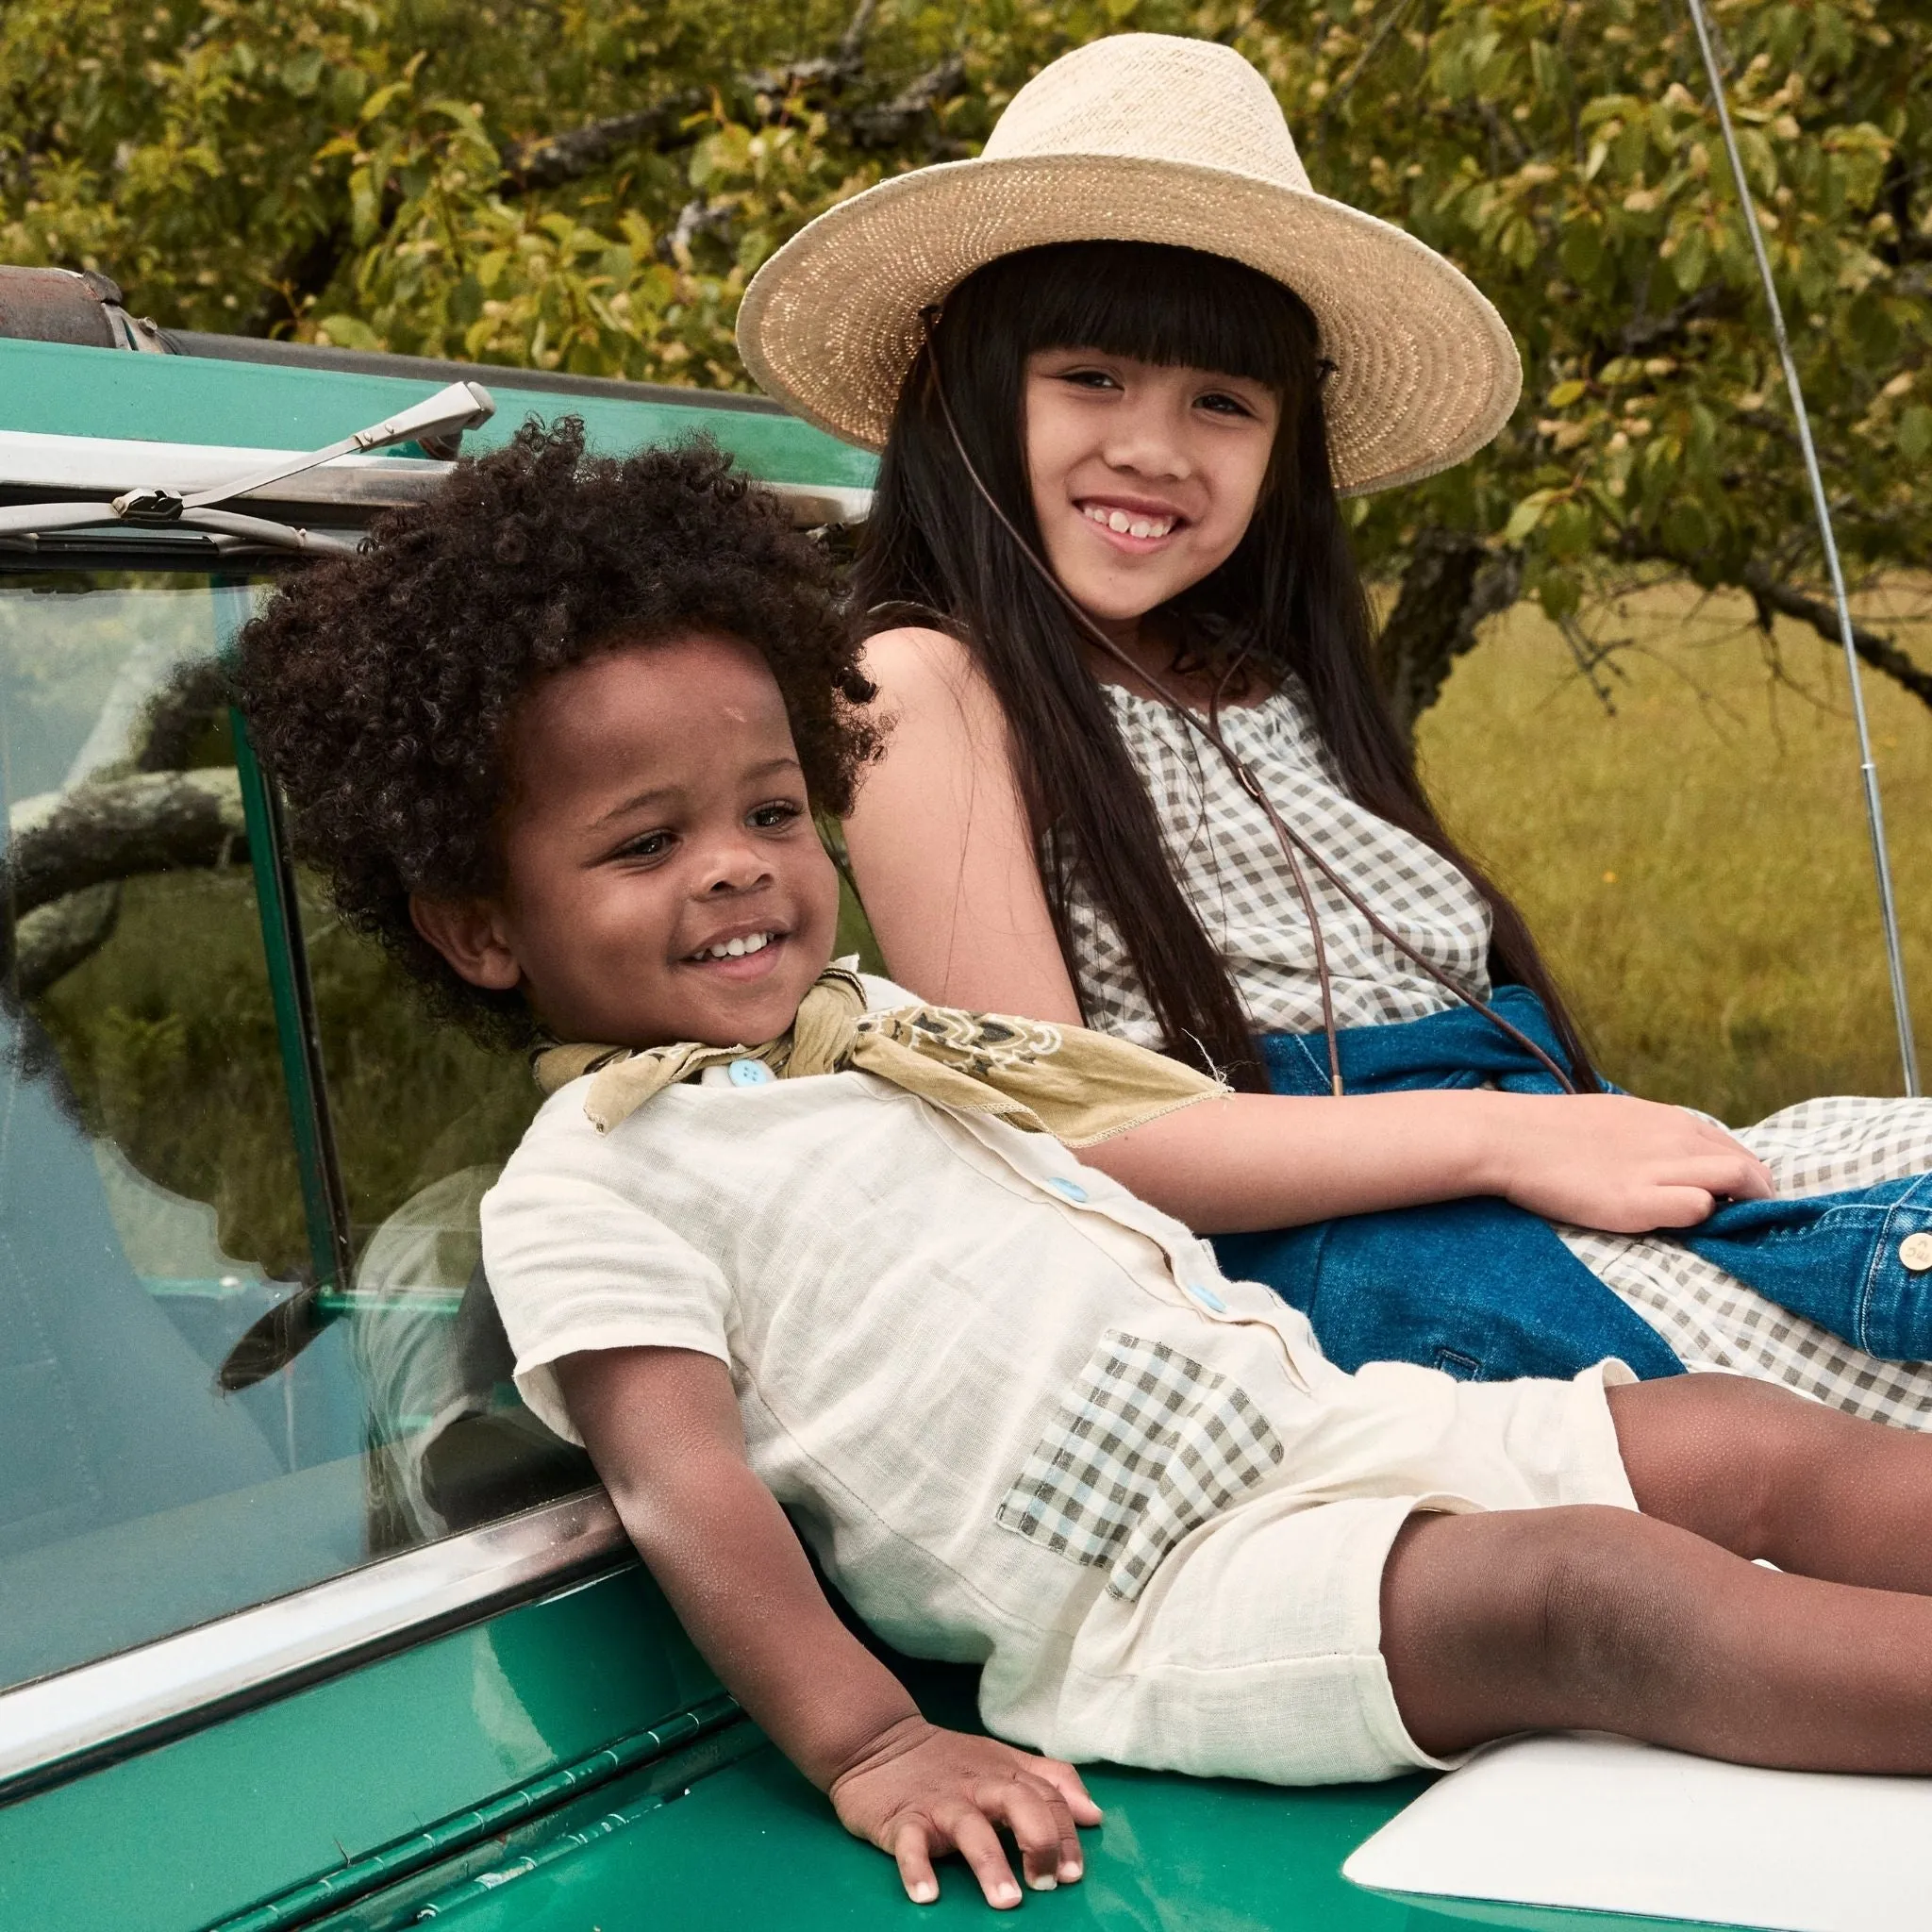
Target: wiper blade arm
x=460, y=406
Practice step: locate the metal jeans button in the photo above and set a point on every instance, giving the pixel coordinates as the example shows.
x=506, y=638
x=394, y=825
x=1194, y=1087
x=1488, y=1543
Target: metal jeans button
x=1915, y=1251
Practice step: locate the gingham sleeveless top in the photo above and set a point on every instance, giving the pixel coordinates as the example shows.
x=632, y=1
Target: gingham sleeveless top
x=1230, y=865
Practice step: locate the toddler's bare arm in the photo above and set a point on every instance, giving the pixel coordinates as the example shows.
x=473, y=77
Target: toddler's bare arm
x=662, y=1427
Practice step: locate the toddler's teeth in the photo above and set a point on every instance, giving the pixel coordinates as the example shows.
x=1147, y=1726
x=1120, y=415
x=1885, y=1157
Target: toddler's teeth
x=737, y=949
x=1119, y=520
x=1141, y=529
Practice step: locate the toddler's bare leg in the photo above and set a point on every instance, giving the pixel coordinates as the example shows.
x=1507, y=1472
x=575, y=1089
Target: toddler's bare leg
x=1596, y=1619
x=1767, y=1474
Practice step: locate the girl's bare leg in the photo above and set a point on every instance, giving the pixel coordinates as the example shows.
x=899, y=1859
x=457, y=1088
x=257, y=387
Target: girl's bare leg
x=1767, y=1474
x=1659, y=1626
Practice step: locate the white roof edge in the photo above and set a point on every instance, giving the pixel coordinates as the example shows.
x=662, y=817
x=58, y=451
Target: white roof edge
x=104, y=466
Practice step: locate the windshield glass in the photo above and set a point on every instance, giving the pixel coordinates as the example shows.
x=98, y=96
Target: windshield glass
x=245, y=1344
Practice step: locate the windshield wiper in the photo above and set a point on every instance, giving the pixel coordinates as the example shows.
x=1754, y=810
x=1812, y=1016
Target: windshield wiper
x=155, y=507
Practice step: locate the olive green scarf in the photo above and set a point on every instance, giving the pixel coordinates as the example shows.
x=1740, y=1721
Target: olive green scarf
x=1077, y=1085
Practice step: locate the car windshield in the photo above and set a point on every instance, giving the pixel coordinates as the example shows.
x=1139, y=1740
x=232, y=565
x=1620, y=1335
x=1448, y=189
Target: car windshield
x=245, y=1342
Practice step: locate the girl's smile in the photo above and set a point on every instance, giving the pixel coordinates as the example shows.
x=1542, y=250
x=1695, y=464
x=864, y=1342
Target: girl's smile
x=1144, y=476
x=1137, y=525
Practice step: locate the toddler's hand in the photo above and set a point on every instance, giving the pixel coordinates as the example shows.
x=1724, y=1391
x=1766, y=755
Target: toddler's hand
x=920, y=1792
x=1624, y=1165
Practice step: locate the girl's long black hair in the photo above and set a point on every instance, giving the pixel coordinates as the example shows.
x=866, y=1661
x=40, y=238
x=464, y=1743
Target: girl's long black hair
x=1289, y=599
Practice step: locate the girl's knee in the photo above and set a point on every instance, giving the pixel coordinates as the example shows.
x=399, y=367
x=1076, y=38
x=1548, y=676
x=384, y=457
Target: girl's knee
x=1722, y=1456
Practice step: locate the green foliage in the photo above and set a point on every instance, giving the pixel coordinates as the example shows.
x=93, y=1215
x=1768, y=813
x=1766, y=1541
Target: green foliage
x=364, y=172
x=1566, y=154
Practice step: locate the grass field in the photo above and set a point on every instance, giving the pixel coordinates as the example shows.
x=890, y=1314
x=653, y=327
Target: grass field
x=1693, y=855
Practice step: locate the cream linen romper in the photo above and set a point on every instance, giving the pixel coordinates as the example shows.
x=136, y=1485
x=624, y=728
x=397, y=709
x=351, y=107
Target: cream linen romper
x=1021, y=1416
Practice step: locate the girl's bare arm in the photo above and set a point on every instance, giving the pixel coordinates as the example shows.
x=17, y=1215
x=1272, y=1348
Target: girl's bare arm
x=941, y=846
x=1247, y=1161
x=946, y=864
x=663, y=1427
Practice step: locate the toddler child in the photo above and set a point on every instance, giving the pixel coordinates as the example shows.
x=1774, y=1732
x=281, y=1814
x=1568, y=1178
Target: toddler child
x=782, y=1239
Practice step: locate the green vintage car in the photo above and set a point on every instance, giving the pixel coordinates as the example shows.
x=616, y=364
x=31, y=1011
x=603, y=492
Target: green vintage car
x=303, y=1619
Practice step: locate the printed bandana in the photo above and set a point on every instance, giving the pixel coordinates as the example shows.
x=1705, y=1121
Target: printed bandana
x=1078, y=1086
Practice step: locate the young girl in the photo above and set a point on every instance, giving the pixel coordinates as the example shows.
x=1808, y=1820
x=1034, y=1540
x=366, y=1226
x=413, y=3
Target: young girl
x=1139, y=773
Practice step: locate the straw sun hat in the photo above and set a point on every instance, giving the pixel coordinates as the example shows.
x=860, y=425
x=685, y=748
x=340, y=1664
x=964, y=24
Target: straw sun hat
x=1140, y=138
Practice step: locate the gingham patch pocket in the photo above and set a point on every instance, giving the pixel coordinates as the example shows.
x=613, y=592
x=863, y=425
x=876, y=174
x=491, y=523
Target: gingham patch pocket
x=1146, y=1445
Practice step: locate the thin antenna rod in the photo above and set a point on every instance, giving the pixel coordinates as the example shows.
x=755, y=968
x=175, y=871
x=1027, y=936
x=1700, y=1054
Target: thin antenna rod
x=1875, y=816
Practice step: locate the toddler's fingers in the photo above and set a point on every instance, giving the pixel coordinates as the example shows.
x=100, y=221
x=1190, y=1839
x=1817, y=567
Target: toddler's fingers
x=1071, y=1865
x=979, y=1843
x=1034, y=1812
x=1067, y=1782
x=912, y=1849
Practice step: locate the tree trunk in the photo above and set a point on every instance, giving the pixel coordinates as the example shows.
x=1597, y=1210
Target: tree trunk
x=1452, y=583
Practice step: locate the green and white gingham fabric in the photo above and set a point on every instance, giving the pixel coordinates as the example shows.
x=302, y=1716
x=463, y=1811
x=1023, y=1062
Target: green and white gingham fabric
x=1145, y=1447
x=1231, y=869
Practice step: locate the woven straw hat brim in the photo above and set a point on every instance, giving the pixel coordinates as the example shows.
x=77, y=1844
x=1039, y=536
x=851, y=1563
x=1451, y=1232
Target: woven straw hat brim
x=1425, y=372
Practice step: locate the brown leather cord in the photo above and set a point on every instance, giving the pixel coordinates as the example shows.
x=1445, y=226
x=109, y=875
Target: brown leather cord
x=1294, y=847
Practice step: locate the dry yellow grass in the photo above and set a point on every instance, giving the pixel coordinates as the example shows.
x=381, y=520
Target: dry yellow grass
x=1694, y=860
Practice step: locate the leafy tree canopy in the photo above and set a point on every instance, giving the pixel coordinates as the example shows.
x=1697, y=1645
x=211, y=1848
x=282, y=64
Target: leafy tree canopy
x=586, y=185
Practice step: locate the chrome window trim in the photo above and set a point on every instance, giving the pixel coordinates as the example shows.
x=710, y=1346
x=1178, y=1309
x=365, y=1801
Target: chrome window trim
x=32, y=463
x=59, y=1724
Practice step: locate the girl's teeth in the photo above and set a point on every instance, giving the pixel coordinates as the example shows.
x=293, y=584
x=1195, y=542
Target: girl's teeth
x=1118, y=519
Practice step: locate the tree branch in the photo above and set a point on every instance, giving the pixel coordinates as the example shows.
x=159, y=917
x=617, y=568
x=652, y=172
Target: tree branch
x=1643, y=333
x=551, y=161
x=1770, y=594
x=52, y=941
x=1331, y=106
x=887, y=124
x=852, y=42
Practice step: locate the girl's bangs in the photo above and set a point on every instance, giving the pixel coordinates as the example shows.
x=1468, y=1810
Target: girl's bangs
x=1176, y=308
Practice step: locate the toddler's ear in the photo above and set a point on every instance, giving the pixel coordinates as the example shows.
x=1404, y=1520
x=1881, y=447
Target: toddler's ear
x=469, y=934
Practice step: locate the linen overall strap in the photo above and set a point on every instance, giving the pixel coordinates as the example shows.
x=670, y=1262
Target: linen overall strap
x=1079, y=1086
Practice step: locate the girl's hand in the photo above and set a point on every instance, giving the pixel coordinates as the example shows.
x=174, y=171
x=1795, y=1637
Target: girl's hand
x=919, y=1791
x=1609, y=1161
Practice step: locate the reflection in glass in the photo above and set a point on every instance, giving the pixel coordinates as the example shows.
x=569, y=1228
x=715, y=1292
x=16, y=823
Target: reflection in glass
x=424, y=1119
x=153, y=1226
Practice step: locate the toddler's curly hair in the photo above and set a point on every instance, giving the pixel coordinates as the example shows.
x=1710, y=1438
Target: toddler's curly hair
x=380, y=687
